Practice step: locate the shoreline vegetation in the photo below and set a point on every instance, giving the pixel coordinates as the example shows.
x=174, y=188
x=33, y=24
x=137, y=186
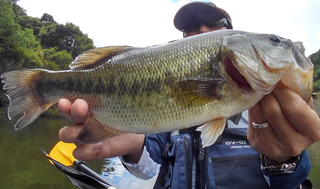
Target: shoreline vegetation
x=27, y=42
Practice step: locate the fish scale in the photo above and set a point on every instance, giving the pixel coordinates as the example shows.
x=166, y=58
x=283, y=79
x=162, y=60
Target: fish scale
x=199, y=80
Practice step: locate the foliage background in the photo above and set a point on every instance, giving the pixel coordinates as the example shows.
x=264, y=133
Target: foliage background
x=27, y=42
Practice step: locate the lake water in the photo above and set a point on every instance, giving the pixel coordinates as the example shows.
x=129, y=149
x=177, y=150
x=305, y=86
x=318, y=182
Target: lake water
x=24, y=167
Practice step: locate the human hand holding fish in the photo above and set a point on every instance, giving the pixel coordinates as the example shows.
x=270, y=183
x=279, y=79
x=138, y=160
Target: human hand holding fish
x=202, y=79
x=128, y=144
x=293, y=125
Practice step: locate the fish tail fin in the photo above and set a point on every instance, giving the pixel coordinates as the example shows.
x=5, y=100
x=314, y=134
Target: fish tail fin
x=22, y=98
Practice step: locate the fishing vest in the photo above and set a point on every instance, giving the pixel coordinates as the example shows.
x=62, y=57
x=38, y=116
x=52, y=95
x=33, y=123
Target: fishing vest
x=229, y=163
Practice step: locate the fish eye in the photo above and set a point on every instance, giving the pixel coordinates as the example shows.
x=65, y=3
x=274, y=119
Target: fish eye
x=274, y=38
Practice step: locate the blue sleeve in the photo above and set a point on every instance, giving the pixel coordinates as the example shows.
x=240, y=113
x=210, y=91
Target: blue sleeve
x=156, y=144
x=293, y=180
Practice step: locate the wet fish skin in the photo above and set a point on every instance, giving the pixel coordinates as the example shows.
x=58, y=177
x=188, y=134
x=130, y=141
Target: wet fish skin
x=197, y=80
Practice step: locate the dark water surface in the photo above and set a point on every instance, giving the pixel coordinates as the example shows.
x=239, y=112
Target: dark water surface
x=22, y=166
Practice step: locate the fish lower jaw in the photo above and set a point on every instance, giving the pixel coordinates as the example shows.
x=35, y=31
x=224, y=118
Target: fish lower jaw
x=235, y=75
x=249, y=82
x=243, y=86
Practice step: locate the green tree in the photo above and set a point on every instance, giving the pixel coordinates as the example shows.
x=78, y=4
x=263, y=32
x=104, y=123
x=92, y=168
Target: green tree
x=56, y=60
x=28, y=51
x=47, y=19
x=27, y=42
x=315, y=59
x=62, y=58
x=18, y=11
x=11, y=1
x=65, y=37
x=48, y=36
x=17, y=46
x=28, y=22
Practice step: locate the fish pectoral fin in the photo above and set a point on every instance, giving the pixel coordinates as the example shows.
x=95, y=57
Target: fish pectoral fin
x=96, y=57
x=197, y=91
x=94, y=132
x=211, y=130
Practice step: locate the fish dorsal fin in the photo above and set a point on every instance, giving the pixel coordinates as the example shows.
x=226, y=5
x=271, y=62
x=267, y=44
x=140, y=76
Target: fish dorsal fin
x=94, y=132
x=211, y=130
x=95, y=57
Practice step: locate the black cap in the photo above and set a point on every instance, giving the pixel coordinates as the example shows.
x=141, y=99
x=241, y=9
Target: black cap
x=188, y=11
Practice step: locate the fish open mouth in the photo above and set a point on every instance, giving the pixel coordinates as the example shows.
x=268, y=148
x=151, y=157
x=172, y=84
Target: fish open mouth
x=255, y=82
x=235, y=75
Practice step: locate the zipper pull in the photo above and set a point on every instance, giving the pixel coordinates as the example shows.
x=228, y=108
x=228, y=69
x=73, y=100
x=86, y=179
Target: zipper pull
x=164, y=154
x=201, y=155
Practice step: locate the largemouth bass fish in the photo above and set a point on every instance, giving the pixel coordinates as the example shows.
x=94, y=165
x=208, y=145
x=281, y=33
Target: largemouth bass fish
x=199, y=80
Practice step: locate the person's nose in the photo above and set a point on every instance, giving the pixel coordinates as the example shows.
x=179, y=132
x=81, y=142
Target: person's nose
x=203, y=29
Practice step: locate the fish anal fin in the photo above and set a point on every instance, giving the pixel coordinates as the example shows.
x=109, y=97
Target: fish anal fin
x=197, y=91
x=94, y=132
x=95, y=57
x=211, y=130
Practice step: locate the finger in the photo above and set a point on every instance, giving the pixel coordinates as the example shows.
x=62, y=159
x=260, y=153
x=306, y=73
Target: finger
x=87, y=152
x=299, y=113
x=262, y=140
x=64, y=106
x=274, y=115
x=79, y=111
x=256, y=115
x=120, y=145
x=286, y=137
x=70, y=134
x=289, y=101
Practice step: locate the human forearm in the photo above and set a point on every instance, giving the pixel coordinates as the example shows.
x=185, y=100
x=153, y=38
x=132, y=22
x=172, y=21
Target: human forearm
x=135, y=148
